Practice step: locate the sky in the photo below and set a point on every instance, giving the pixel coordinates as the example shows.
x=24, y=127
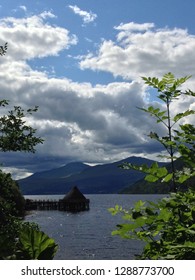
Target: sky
x=81, y=62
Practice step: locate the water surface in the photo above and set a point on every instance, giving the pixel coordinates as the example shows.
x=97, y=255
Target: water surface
x=87, y=235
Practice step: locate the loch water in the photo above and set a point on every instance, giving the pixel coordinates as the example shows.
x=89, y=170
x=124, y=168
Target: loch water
x=87, y=235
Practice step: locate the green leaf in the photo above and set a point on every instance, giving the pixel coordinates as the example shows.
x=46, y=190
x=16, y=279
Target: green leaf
x=151, y=178
x=160, y=114
x=115, y=210
x=161, y=86
x=165, y=214
x=36, y=244
x=168, y=79
x=154, y=166
x=182, y=115
x=161, y=172
x=140, y=221
x=139, y=204
x=151, y=109
x=182, y=178
x=167, y=178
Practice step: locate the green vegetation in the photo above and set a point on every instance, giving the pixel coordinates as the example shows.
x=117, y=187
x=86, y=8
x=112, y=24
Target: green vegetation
x=18, y=239
x=15, y=134
x=168, y=226
x=145, y=187
x=35, y=244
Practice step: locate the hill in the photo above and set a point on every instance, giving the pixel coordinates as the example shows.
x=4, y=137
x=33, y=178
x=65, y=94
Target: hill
x=102, y=179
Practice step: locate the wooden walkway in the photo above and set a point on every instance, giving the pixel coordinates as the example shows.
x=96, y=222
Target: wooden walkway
x=41, y=204
x=72, y=206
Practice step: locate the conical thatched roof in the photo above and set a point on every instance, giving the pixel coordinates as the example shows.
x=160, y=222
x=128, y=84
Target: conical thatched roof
x=74, y=194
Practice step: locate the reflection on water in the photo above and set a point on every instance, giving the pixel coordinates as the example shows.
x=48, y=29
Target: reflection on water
x=87, y=235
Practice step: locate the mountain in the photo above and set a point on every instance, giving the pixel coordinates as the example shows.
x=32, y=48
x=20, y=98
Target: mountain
x=102, y=179
x=45, y=182
x=62, y=172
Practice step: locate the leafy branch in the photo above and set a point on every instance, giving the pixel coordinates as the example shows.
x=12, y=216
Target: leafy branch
x=177, y=142
x=15, y=135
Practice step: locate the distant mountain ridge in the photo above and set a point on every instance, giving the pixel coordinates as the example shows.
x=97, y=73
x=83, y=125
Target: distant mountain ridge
x=62, y=172
x=98, y=179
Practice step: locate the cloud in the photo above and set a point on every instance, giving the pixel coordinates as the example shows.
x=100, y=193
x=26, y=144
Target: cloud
x=132, y=26
x=17, y=173
x=32, y=37
x=22, y=7
x=143, y=50
x=87, y=17
x=81, y=121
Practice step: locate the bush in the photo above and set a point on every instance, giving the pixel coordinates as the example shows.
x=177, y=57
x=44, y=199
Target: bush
x=10, y=193
x=18, y=239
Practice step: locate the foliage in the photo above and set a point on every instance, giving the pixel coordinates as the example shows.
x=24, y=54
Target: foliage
x=35, y=244
x=8, y=230
x=10, y=193
x=179, y=143
x=16, y=236
x=24, y=241
x=15, y=135
x=11, y=208
x=168, y=226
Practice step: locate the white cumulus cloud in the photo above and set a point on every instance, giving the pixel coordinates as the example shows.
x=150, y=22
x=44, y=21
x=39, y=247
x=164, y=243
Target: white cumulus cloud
x=32, y=37
x=142, y=50
x=86, y=16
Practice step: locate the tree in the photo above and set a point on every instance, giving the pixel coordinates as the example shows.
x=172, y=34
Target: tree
x=168, y=226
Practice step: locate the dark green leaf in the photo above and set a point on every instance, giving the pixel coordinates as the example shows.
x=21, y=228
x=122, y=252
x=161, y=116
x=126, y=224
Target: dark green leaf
x=37, y=244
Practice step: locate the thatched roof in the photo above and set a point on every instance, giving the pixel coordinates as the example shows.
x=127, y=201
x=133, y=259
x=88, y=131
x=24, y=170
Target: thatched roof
x=74, y=194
